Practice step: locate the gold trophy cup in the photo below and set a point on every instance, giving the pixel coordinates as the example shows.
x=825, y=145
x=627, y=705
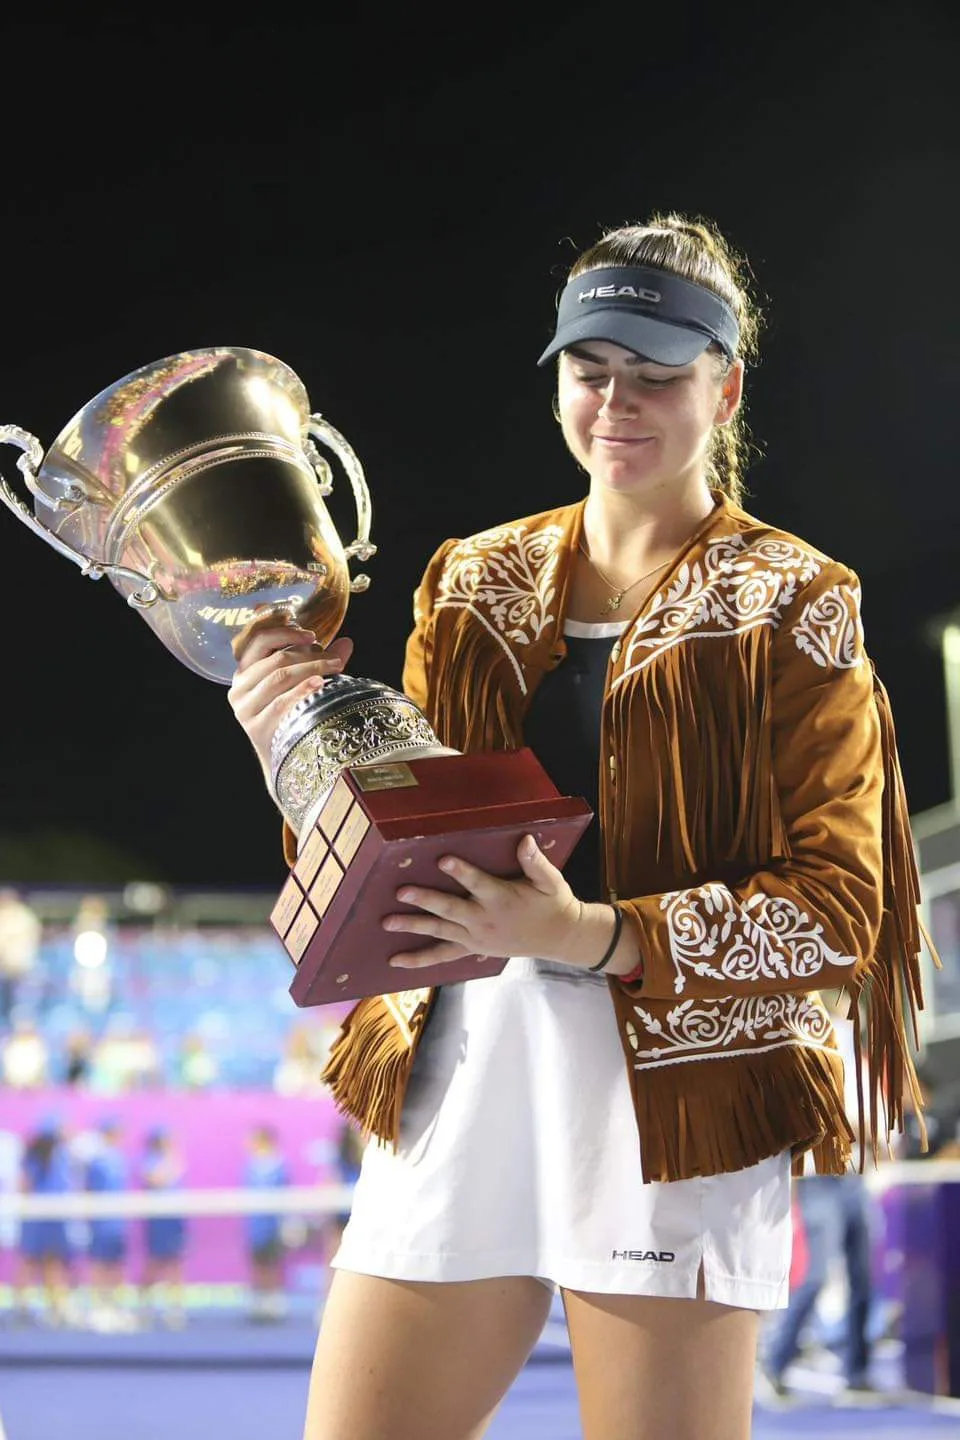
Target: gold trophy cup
x=196, y=486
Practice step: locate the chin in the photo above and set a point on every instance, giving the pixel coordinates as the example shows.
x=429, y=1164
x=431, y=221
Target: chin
x=621, y=476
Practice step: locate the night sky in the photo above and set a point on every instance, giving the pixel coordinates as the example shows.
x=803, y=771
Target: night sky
x=391, y=210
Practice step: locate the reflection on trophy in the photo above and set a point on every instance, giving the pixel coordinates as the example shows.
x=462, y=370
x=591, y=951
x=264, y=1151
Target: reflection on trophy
x=196, y=486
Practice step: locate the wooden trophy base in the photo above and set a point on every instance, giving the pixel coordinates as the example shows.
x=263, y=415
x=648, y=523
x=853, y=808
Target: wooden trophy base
x=384, y=826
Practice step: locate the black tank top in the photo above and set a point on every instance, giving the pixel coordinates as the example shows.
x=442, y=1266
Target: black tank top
x=562, y=728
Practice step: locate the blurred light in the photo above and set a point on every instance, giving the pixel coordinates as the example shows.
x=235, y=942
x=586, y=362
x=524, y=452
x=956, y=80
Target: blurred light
x=90, y=949
x=144, y=897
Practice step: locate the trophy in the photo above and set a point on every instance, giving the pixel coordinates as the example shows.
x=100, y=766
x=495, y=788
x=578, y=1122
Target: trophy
x=196, y=486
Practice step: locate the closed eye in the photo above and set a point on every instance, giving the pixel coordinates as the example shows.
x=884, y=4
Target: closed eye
x=650, y=382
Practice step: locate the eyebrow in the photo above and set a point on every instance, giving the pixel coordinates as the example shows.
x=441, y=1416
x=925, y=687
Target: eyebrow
x=580, y=354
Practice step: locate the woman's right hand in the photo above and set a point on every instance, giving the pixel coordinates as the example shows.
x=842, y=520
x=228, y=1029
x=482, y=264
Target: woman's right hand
x=278, y=663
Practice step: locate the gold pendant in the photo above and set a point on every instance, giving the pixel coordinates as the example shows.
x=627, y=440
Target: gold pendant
x=613, y=603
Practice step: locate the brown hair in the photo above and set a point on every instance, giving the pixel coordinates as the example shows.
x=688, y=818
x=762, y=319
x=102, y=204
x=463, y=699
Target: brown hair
x=694, y=249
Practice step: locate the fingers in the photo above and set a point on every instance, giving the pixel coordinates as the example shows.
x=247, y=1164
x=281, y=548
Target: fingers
x=278, y=677
x=273, y=662
x=341, y=648
x=426, y=923
x=252, y=646
x=528, y=915
x=482, y=886
x=541, y=872
x=478, y=883
x=280, y=665
x=271, y=632
x=433, y=955
x=272, y=620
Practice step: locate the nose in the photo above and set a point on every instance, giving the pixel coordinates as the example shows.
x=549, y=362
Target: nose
x=619, y=398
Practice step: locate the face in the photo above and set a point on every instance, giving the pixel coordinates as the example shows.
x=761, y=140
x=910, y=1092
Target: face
x=636, y=426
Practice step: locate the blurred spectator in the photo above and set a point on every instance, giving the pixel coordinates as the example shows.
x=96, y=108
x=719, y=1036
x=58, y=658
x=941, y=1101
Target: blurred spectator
x=45, y=1251
x=124, y=1058
x=77, y=1058
x=266, y=1169
x=91, y=977
x=198, y=1068
x=11, y=1152
x=25, y=1057
x=836, y=1217
x=20, y=936
x=298, y=1070
x=165, y=1237
x=938, y=1072
x=348, y=1155
x=107, y=1174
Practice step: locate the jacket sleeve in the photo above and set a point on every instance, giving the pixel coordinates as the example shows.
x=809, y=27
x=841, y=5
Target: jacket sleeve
x=811, y=919
x=419, y=650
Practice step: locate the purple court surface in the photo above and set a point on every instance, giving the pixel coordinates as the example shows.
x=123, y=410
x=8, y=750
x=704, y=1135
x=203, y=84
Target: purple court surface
x=222, y=1375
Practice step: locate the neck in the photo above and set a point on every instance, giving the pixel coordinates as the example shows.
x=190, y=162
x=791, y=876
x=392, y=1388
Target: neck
x=626, y=528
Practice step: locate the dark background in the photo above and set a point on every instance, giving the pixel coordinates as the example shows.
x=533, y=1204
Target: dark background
x=390, y=209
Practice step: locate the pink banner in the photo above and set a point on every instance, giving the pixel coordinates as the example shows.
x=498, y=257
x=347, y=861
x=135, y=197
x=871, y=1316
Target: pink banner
x=211, y=1131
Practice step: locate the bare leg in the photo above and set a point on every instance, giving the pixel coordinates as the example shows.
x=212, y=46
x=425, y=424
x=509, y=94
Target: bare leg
x=648, y=1367
x=173, y=1276
x=56, y=1280
x=29, y=1273
x=418, y=1361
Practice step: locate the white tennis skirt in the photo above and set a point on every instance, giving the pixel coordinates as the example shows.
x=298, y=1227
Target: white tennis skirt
x=519, y=1155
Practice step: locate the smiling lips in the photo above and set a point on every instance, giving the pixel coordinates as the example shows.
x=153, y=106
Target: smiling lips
x=623, y=439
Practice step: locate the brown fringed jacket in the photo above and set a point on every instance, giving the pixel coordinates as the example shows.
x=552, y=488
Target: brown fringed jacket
x=754, y=827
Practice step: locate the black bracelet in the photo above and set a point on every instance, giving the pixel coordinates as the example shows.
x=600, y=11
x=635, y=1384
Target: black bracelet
x=608, y=953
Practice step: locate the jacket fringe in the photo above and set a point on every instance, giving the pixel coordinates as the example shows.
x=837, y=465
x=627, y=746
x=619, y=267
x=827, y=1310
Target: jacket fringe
x=467, y=705
x=705, y=1119
x=369, y=1066
x=733, y=749
x=718, y=795
x=887, y=990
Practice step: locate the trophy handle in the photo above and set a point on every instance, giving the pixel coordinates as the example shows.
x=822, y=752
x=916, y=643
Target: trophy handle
x=361, y=547
x=28, y=465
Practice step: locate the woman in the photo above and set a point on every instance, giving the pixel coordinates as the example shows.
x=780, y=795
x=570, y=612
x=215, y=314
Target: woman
x=619, y=1116
x=162, y=1169
x=266, y=1169
x=46, y=1251
x=107, y=1173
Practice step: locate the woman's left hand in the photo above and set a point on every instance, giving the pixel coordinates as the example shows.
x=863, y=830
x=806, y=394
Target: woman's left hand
x=536, y=914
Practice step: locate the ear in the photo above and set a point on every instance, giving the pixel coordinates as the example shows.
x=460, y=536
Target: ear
x=731, y=393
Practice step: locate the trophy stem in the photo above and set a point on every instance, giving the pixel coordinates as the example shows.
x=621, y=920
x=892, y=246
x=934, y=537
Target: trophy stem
x=351, y=722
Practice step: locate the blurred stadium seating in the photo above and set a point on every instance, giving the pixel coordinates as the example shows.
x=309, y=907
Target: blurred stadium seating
x=179, y=1002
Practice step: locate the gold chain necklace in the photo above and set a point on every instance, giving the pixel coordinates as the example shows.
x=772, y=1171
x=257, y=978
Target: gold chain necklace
x=617, y=592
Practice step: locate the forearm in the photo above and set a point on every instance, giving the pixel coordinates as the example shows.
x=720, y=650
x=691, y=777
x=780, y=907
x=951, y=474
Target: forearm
x=589, y=937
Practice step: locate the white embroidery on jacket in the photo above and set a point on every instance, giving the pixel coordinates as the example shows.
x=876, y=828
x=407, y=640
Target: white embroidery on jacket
x=830, y=630
x=506, y=578
x=403, y=1006
x=738, y=585
x=765, y=937
x=765, y=1022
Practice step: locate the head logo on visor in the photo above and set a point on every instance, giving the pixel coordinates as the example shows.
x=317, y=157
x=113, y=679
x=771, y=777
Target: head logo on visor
x=646, y=310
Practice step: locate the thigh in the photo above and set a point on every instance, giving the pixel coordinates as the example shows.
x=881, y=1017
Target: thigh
x=414, y=1360
x=648, y=1367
